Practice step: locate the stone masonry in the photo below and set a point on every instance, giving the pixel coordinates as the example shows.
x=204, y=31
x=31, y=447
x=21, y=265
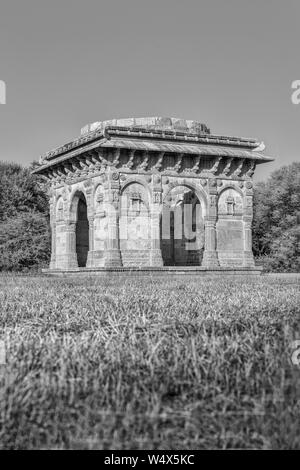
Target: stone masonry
x=151, y=192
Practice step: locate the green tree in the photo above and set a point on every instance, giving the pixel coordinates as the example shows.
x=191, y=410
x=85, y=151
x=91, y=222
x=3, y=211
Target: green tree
x=276, y=230
x=24, y=218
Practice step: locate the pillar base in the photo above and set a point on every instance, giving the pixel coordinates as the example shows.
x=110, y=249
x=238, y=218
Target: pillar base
x=210, y=259
x=67, y=262
x=249, y=259
x=90, y=260
x=95, y=259
x=112, y=258
x=156, y=258
x=52, y=264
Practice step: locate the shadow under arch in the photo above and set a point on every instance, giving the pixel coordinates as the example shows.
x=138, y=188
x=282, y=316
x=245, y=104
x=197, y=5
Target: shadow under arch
x=236, y=201
x=198, y=191
x=78, y=214
x=231, y=186
x=134, y=223
x=182, y=226
x=136, y=180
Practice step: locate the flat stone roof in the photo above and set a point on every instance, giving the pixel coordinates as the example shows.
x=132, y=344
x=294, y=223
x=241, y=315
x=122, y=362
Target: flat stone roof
x=158, y=134
x=153, y=122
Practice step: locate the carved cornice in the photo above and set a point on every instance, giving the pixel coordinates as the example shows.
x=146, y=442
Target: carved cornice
x=103, y=143
x=129, y=164
x=216, y=165
x=250, y=171
x=239, y=168
x=136, y=132
x=195, y=168
x=116, y=159
x=111, y=155
x=159, y=163
x=144, y=164
x=178, y=163
x=226, y=170
x=94, y=163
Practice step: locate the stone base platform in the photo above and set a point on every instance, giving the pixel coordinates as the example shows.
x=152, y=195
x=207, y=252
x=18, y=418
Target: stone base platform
x=166, y=270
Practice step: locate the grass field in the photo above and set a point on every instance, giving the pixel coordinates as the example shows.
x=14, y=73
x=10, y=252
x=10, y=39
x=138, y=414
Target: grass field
x=142, y=363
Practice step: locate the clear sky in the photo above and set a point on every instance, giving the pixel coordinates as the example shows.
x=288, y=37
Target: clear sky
x=227, y=63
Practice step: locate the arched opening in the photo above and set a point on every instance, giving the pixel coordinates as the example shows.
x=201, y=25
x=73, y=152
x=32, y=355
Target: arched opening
x=230, y=228
x=134, y=225
x=82, y=231
x=182, y=228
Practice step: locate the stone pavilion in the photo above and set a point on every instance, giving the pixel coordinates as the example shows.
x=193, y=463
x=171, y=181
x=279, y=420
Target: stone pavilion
x=149, y=193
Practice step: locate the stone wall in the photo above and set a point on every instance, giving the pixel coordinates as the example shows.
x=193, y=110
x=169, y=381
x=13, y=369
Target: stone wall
x=122, y=224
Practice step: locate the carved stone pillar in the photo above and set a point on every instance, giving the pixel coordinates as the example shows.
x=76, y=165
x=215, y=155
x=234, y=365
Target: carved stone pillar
x=210, y=255
x=155, y=211
x=90, y=257
x=155, y=252
x=248, y=235
x=112, y=252
x=248, y=254
x=247, y=219
x=53, y=234
x=90, y=215
x=53, y=246
x=68, y=258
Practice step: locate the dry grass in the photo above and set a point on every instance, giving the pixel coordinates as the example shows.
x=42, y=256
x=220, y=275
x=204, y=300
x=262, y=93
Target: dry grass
x=142, y=363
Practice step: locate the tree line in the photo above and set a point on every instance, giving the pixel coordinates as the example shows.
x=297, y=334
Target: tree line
x=25, y=240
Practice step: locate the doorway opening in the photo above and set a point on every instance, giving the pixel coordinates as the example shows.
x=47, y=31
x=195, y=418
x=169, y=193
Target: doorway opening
x=82, y=232
x=182, y=229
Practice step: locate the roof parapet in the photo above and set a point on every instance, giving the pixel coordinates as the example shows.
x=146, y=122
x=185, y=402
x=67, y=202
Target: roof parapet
x=154, y=123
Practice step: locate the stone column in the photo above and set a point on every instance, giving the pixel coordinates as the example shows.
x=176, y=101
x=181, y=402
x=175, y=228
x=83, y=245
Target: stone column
x=112, y=252
x=210, y=255
x=88, y=185
x=248, y=254
x=53, y=234
x=155, y=211
x=248, y=235
x=53, y=246
x=69, y=259
x=155, y=252
x=90, y=257
x=247, y=219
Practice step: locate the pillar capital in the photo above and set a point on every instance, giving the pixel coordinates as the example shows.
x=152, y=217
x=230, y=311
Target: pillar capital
x=210, y=220
x=70, y=225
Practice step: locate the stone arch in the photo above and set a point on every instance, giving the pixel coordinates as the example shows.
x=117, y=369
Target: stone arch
x=138, y=180
x=231, y=186
x=74, y=196
x=198, y=190
x=79, y=216
x=134, y=223
x=140, y=186
x=230, y=227
x=182, y=225
x=230, y=201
